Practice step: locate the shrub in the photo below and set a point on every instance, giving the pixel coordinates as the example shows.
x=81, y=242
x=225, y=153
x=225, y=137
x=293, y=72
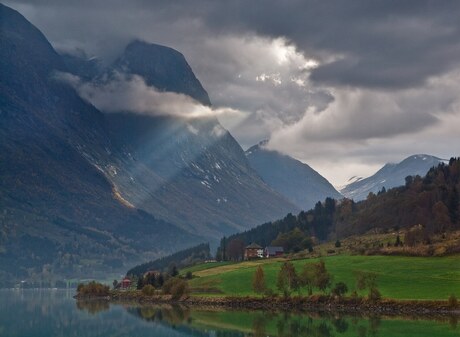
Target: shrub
x=148, y=290
x=176, y=287
x=269, y=292
x=167, y=286
x=180, y=289
x=374, y=294
x=93, y=288
x=340, y=289
x=189, y=275
x=453, y=302
x=338, y=244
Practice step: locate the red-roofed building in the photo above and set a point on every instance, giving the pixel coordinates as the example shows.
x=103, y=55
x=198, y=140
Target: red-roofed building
x=125, y=283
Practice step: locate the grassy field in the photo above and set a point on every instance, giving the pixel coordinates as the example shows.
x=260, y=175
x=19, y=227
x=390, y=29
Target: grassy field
x=397, y=277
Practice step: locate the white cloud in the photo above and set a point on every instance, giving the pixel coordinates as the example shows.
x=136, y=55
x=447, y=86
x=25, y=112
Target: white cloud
x=364, y=129
x=124, y=93
x=352, y=127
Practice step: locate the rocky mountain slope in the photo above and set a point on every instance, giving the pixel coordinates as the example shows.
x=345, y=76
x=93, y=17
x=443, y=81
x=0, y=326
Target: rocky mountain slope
x=59, y=213
x=189, y=171
x=390, y=175
x=82, y=191
x=297, y=181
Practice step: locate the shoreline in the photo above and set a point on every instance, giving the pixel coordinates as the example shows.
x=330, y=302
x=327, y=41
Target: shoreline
x=387, y=307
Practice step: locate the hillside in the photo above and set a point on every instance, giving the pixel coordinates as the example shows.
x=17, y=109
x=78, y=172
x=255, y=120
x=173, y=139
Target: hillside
x=188, y=171
x=397, y=277
x=86, y=193
x=430, y=204
x=295, y=180
x=391, y=175
x=184, y=258
x=60, y=215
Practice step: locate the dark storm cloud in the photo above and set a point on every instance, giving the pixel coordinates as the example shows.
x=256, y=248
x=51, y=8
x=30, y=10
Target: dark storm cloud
x=387, y=44
x=343, y=85
x=377, y=43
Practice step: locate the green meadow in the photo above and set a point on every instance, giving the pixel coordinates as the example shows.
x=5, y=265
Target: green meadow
x=410, y=278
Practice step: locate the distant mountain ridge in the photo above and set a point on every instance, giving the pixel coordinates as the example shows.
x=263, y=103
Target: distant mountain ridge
x=297, y=181
x=390, y=175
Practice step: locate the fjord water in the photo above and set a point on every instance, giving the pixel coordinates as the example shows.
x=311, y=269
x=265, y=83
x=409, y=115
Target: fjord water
x=40, y=313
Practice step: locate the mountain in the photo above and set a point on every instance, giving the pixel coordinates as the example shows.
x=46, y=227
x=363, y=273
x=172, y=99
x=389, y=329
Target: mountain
x=84, y=193
x=59, y=214
x=390, y=175
x=295, y=180
x=161, y=67
x=87, y=68
x=189, y=171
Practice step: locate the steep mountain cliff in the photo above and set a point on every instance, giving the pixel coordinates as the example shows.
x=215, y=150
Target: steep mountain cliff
x=83, y=192
x=189, y=171
x=59, y=214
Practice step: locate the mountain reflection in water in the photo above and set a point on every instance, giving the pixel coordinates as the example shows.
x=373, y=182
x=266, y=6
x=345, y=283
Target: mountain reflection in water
x=49, y=313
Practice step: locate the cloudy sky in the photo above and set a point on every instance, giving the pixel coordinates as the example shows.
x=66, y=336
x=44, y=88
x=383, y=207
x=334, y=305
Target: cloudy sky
x=344, y=86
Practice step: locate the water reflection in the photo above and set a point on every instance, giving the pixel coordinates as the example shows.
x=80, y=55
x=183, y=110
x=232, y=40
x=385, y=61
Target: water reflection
x=48, y=314
x=94, y=306
x=219, y=322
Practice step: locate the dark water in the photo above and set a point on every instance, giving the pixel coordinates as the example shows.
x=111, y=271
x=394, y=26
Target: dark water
x=55, y=313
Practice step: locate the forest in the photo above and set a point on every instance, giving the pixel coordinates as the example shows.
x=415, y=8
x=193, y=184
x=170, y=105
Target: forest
x=424, y=206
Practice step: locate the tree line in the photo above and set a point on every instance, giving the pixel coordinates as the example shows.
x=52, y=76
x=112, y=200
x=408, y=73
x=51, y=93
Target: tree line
x=313, y=276
x=180, y=259
x=430, y=203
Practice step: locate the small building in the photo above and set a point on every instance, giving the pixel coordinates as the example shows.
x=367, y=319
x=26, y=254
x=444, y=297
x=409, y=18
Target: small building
x=125, y=283
x=154, y=273
x=253, y=251
x=273, y=251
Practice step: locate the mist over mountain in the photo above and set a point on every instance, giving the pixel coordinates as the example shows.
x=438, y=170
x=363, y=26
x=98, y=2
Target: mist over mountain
x=187, y=170
x=60, y=214
x=297, y=181
x=83, y=192
x=390, y=175
x=161, y=67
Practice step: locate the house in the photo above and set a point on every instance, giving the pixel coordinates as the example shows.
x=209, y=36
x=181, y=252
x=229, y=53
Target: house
x=154, y=273
x=273, y=251
x=125, y=283
x=253, y=251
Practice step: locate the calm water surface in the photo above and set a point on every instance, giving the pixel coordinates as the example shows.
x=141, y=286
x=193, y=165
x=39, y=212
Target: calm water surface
x=55, y=313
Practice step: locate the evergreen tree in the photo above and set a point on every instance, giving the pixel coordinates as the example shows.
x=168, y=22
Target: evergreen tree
x=398, y=241
x=140, y=283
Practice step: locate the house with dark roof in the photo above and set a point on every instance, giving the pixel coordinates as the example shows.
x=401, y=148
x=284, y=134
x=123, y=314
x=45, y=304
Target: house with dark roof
x=273, y=251
x=253, y=251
